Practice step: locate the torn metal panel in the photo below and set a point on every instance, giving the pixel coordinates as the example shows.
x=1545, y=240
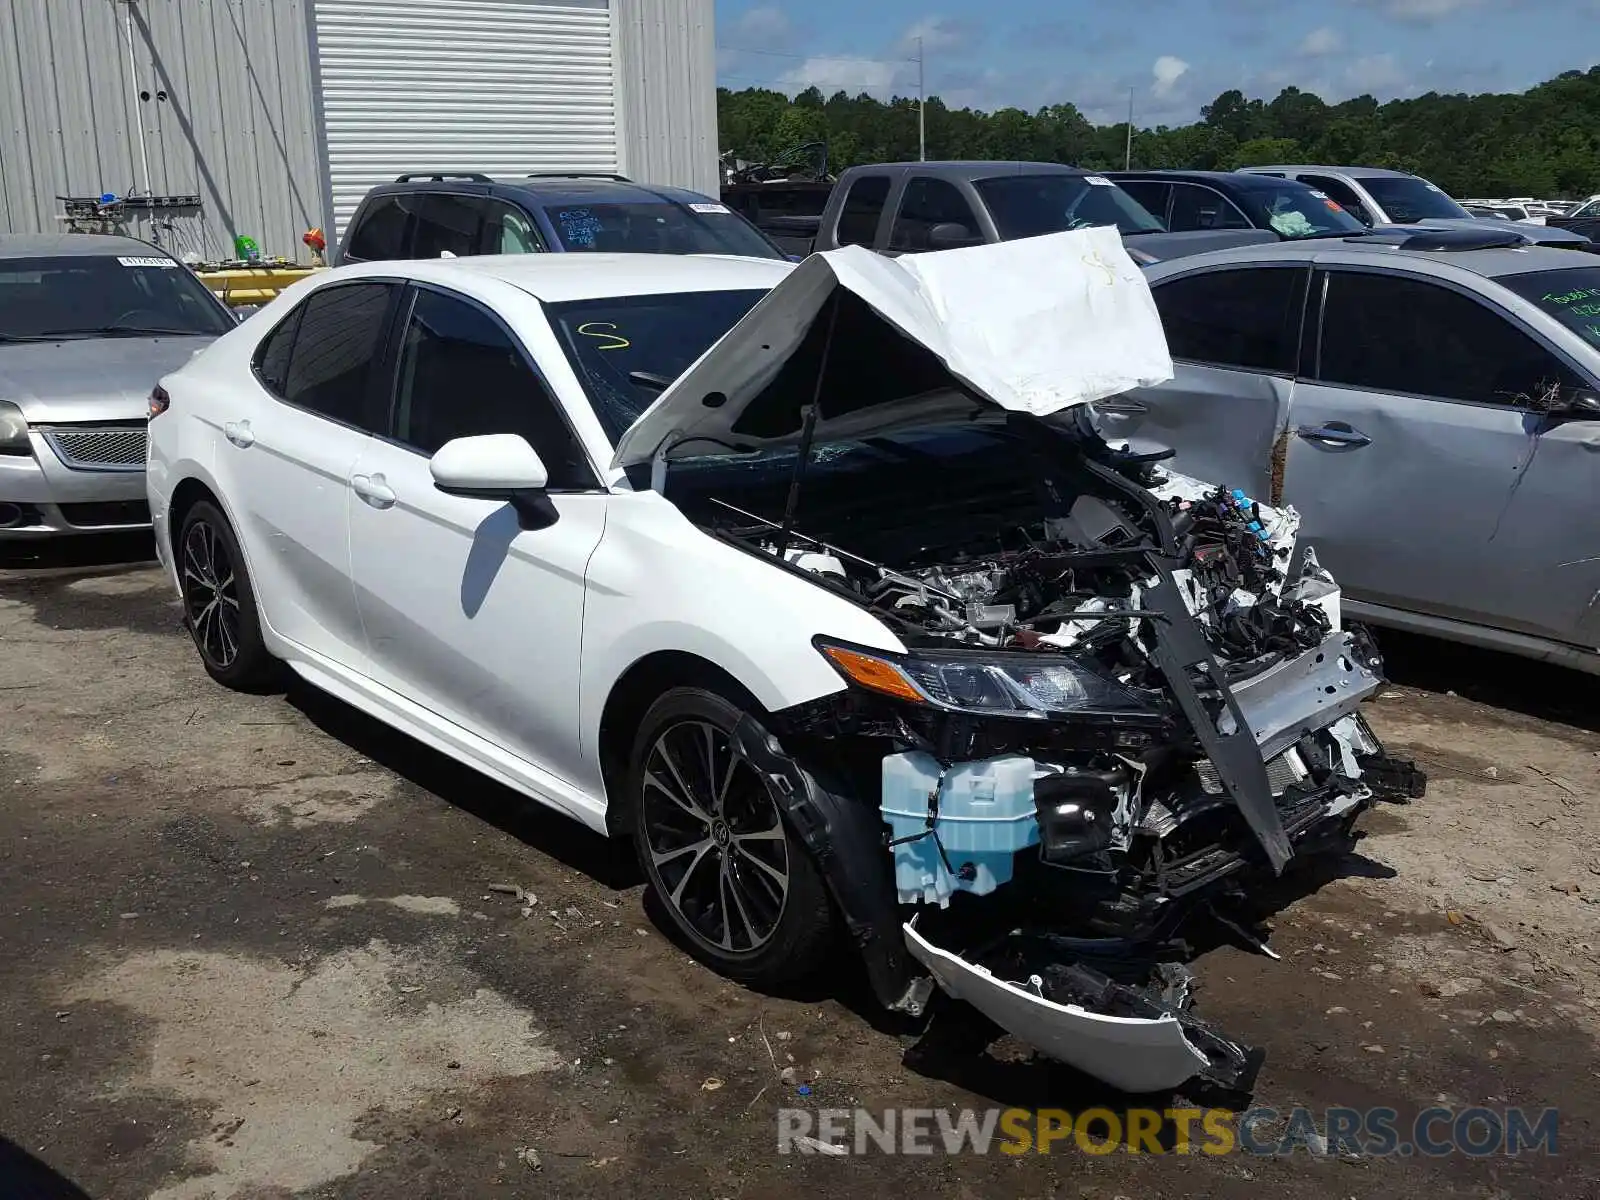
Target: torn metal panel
x=1300, y=695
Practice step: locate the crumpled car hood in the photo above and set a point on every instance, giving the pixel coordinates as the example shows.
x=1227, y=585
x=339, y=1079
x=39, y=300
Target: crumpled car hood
x=1035, y=326
x=90, y=379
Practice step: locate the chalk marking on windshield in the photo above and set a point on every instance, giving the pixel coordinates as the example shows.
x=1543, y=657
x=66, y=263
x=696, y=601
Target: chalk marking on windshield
x=596, y=329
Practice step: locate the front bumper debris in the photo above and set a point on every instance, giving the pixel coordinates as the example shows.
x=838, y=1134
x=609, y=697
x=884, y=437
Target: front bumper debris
x=1138, y=1039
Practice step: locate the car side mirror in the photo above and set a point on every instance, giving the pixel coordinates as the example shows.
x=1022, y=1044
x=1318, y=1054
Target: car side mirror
x=496, y=466
x=1359, y=211
x=951, y=235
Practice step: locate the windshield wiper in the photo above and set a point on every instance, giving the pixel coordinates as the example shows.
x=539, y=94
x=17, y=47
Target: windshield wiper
x=26, y=337
x=649, y=379
x=119, y=330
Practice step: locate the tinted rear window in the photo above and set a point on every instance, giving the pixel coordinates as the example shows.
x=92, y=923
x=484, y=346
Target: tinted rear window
x=702, y=227
x=380, y=231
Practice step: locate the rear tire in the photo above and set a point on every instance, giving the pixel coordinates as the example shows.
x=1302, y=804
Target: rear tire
x=729, y=872
x=219, y=605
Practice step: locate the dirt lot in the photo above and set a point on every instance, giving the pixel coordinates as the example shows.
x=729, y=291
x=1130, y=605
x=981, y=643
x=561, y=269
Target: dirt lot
x=249, y=949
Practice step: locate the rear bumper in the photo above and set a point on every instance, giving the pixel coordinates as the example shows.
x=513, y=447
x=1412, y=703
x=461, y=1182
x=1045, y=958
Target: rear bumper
x=40, y=497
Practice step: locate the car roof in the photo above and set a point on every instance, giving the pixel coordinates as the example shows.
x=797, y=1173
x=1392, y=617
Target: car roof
x=557, y=278
x=548, y=189
x=976, y=168
x=1355, y=251
x=73, y=245
x=1234, y=179
x=1352, y=172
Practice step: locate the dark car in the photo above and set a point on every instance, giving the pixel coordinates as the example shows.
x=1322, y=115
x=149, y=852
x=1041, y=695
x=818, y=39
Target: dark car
x=443, y=214
x=1189, y=200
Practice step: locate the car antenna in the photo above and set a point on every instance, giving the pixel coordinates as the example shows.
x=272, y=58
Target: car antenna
x=808, y=429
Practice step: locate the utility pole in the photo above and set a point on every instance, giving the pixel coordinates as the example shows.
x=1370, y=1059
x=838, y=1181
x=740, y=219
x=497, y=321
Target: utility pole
x=922, y=109
x=1127, y=155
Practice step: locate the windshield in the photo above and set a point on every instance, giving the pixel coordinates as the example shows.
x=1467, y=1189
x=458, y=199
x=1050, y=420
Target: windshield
x=1031, y=205
x=1591, y=209
x=1571, y=296
x=79, y=296
x=659, y=228
x=1295, y=212
x=657, y=336
x=1410, y=200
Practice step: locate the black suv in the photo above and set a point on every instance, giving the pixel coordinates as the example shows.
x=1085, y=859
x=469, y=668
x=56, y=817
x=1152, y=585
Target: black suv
x=1187, y=200
x=439, y=214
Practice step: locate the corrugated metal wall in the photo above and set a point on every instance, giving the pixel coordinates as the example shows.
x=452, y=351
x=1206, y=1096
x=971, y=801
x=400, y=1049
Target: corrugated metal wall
x=504, y=87
x=491, y=85
x=236, y=126
x=667, y=91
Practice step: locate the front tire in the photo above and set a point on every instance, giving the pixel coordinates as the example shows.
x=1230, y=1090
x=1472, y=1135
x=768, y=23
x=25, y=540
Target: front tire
x=729, y=872
x=219, y=605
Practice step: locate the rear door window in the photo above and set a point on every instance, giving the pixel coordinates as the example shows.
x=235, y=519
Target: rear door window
x=1151, y=194
x=1390, y=333
x=925, y=203
x=380, y=231
x=447, y=225
x=1197, y=207
x=863, y=206
x=337, y=343
x=1247, y=319
x=508, y=230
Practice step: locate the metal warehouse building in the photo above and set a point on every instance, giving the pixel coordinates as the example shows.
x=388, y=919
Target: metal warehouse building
x=267, y=117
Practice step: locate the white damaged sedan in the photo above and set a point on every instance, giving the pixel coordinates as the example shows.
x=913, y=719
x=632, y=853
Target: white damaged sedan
x=816, y=584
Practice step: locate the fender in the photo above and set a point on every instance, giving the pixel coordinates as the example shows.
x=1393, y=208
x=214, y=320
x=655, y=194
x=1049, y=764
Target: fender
x=845, y=838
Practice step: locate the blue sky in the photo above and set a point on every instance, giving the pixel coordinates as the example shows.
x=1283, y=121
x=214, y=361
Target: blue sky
x=1175, y=54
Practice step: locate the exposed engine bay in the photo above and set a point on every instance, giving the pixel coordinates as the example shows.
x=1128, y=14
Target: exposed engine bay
x=1124, y=696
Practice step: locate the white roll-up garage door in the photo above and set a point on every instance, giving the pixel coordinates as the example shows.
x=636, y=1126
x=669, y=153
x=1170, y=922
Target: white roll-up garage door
x=504, y=87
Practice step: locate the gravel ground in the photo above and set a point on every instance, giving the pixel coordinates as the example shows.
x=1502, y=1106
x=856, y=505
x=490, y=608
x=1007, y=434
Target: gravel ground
x=249, y=948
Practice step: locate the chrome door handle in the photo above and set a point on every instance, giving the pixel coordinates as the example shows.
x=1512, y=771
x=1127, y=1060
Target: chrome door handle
x=1334, y=433
x=239, y=433
x=374, y=489
x=1131, y=408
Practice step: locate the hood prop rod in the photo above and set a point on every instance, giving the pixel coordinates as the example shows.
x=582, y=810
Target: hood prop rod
x=808, y=431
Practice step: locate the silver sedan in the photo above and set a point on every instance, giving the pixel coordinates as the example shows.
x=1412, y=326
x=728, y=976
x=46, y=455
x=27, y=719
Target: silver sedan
x=1429, y=400
x=88, y=324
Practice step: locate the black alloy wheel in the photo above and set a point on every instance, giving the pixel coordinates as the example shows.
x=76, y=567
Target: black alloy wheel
x=219, y=604
x=714, y=845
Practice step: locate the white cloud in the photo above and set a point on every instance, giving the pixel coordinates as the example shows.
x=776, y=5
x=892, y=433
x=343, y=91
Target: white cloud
x=1321, y=42
x=831, y=73
x=936, y=33
x=1165, y=72
x=762, y=27
x=1378, y=74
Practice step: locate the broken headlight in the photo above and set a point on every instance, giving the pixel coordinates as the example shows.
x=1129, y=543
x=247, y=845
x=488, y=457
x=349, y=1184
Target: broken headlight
x=992, y=683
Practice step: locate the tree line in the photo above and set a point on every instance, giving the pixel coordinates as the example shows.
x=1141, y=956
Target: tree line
x=1544, y=142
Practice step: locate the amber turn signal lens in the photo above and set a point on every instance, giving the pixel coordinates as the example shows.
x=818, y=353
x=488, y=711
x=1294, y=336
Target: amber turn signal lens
x=874, y=673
